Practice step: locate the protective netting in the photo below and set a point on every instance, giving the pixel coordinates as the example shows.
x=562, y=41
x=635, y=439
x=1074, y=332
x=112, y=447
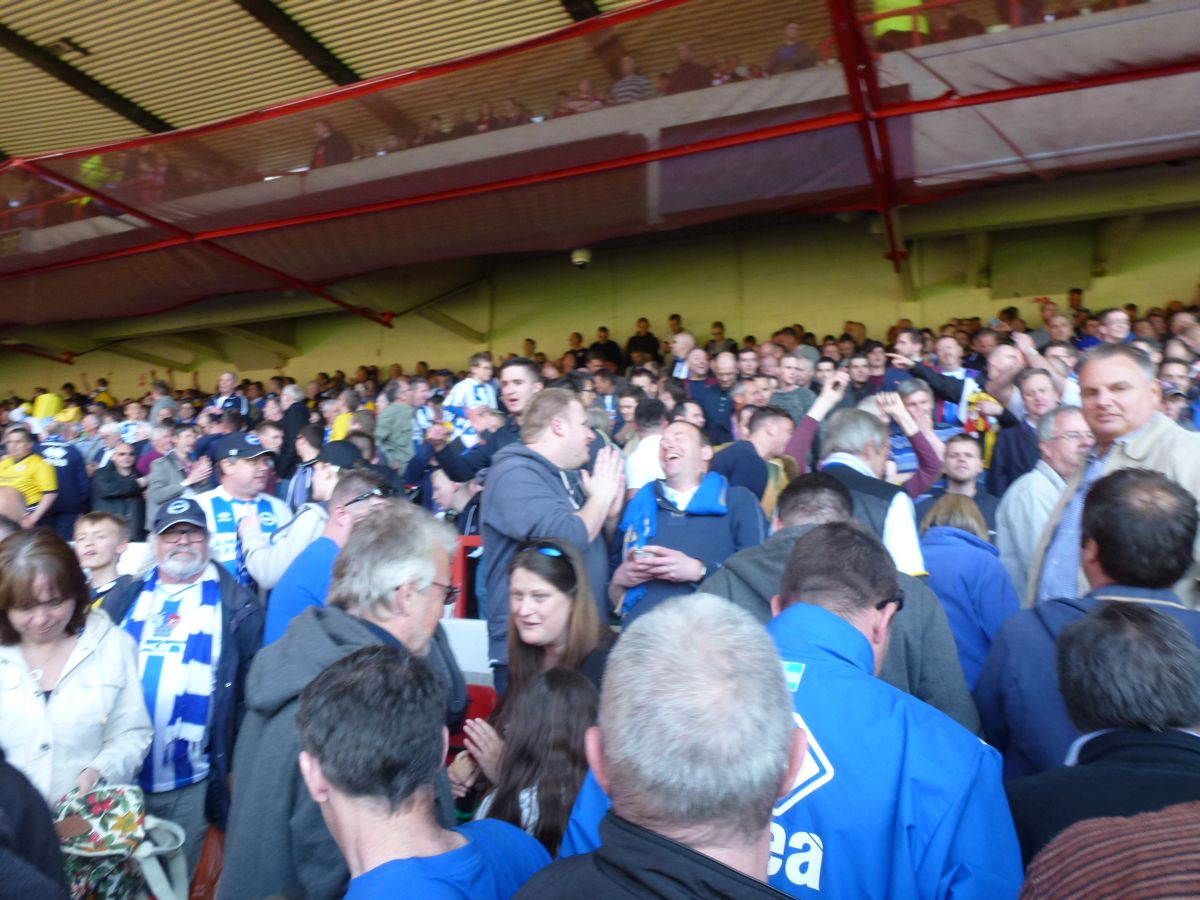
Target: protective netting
x=656, y=116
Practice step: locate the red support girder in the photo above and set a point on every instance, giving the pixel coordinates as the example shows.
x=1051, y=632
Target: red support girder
x=859, y=71
x=183, y=236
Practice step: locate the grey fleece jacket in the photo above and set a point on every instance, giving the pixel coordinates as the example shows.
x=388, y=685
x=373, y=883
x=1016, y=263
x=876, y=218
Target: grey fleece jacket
x=526, y=497
x=921, y=658
x=277, y=843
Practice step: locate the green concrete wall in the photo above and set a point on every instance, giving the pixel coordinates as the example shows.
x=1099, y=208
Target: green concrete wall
x=818, y=271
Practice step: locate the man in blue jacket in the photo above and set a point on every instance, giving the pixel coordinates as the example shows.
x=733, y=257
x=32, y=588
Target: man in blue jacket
x=1138, y=531
x=893, y=799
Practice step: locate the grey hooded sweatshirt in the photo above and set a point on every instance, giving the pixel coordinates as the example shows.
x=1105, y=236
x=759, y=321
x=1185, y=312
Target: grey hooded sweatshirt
x=277, y=843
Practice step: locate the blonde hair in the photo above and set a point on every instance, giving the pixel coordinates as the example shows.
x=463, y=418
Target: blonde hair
x=956, y=511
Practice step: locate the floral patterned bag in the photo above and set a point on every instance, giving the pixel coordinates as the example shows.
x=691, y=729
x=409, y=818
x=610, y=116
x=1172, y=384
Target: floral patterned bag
x=110, y=846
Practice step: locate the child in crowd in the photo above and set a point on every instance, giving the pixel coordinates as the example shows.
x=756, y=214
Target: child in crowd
x=100, y=539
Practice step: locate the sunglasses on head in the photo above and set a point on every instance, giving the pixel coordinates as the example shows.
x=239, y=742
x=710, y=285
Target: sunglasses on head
x=383, y=492
x=544, y=549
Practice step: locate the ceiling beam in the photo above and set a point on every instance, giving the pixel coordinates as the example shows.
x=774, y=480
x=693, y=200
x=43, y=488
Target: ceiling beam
x=284, y=349
x=121, y=349
x=207, y=348
x=437, y=317
x=20, y=46
x=309, y=48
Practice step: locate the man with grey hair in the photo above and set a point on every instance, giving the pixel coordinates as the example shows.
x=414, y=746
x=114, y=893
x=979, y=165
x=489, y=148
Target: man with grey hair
x=1121, y=398
x=700, y=678
x=1064, y=440
x=228, y=397
x=390, y=584
x=295, y=416
x=855, y=452
x=197, y=630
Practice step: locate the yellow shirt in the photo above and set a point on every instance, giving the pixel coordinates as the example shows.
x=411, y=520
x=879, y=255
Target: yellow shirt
x=47, y=405
x=32, y=476
x=341, y=426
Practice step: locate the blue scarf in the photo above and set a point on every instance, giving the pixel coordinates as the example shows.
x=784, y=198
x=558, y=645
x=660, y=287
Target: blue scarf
x=640, y=521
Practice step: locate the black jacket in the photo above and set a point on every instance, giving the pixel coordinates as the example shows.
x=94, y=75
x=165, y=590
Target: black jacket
x=634, y=862
x=241, y=636
x=461, y=464
x=295, y=417
x=31, y=865
x=1121, y=773
x=120, y=495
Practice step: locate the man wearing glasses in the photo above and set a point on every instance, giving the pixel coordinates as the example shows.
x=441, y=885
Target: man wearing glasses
x=869, y=744
x=197, y=630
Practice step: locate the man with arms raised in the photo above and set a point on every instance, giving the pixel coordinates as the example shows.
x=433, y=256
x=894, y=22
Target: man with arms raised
x=538, y=489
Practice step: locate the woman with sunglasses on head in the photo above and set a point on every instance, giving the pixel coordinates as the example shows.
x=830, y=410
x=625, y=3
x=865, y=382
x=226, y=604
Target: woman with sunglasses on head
x=72, y=711
x=552, y=621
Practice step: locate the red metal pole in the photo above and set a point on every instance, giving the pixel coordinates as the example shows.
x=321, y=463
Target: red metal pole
x=859, y=72
x=760, y=134
x=187, y=237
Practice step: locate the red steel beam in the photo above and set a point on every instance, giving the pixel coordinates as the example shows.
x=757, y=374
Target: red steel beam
x=775, y=131
x=185, y=236
x=66, y=359
x=886, y=111
x=859, y=73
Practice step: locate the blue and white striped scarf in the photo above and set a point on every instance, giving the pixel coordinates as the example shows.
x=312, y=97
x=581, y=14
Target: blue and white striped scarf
x=178, y=635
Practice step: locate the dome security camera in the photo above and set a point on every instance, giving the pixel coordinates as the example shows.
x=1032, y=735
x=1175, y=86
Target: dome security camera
x=581, y=258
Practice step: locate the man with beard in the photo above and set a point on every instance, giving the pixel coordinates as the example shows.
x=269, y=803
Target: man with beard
x=196, y=630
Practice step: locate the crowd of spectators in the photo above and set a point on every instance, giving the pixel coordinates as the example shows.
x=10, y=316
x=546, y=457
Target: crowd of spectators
x=233, y=599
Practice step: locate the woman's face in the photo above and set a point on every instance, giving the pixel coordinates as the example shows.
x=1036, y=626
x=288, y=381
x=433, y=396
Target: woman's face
x=44, y=619
x=540, y=612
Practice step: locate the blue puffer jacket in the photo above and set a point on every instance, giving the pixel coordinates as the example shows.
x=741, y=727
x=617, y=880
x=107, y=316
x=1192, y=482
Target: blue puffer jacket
x=966, y=574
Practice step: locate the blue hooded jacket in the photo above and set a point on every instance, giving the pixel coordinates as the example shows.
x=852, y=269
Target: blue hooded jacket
x=894, y=798
x=975, y=590
x=1023, y=713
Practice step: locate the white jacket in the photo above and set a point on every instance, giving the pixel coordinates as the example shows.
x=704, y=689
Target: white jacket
x=95, y=718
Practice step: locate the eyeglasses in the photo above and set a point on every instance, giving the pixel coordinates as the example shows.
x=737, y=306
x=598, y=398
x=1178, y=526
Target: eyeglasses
x=898, y=600
x=373, y=492
x=452, y=592
x=1074, y=436
x=184, y=535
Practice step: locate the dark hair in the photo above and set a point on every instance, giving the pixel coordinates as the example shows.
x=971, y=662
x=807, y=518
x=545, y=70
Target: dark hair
x=764, y=414
x=374, y=721
x=233, y=420
x=650, y=414
x=314, y=435
x=631, y=391
x=676, y=389
x=559, y=564
x=544, y=749
x=840, y=566
x=1127, y=665
x=29, y=555
x=640, y=372
x=1144, y=526
x=364, y=442
x=524, y=362
x=180, y=427
x=814, y=499
x=914, y=333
